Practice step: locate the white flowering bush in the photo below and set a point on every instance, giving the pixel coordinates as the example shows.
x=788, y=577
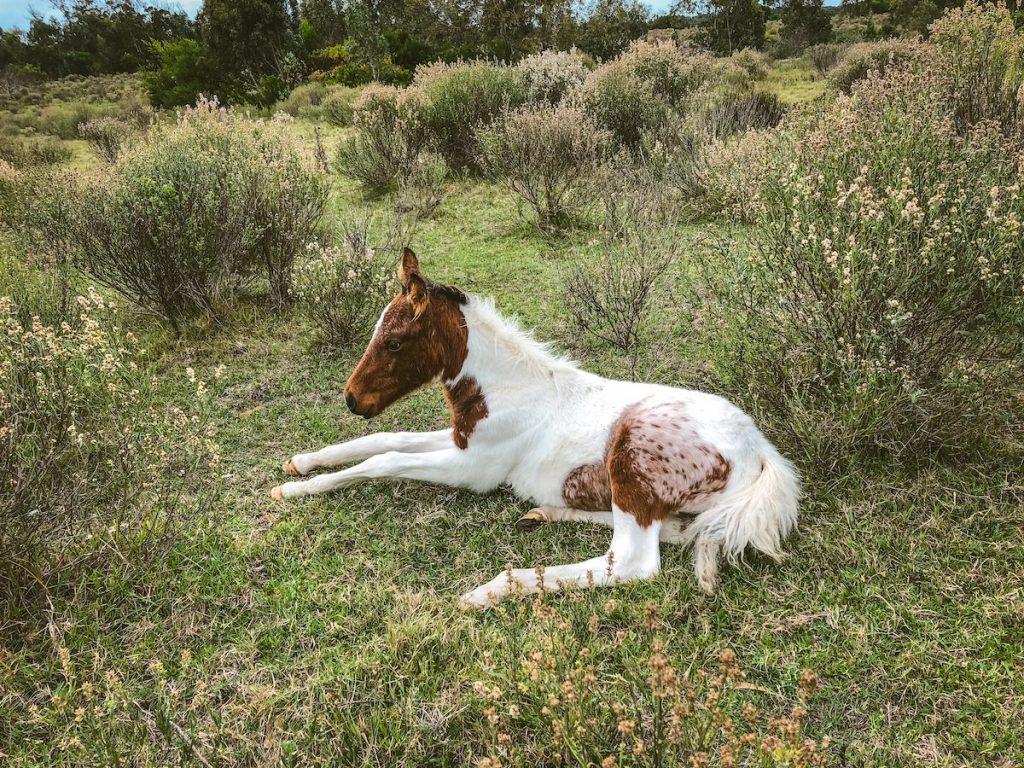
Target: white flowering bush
x=343, y=288
x=882, y=303
x=551, y=75
x=389, y=139
x=549, y=156
x=95, y=466
x=723, y=176
x=193, y=211
x=856, y=61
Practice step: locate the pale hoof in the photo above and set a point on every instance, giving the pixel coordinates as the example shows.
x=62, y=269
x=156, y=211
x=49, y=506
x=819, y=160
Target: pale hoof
x=532, y=519
x=708, y=582
x=277, y=493
x=289, y=469
x=480, y=599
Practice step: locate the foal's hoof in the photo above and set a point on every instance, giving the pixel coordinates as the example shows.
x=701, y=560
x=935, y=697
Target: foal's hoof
x=277, y=493
x=532, y=519
x=289, y=469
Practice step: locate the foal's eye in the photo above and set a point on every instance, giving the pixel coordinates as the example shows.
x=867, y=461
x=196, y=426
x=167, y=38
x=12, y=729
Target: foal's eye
x=394, y=346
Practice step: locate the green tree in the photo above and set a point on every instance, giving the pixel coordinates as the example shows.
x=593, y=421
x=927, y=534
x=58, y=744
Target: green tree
x=184, y=71
x=735, y=24
x=609, y=26
x=248, y=39
x=804, y=23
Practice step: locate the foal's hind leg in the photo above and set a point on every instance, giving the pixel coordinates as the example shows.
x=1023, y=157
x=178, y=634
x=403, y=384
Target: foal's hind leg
x=671, y=527
x=632, y=555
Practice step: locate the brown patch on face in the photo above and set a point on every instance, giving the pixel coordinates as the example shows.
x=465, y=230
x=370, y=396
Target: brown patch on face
x=659, y=466
x=588, y=488
x=468, y=406
x=422, y=336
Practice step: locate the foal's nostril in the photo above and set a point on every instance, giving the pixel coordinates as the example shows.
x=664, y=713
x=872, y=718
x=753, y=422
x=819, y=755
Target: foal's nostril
x=350, y=401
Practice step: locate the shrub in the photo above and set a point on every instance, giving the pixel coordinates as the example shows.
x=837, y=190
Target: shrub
x=193, y=211
x=549, y=156
x=106, y=136
x=826, y=55
x=421, y=190
x=337, y=106
x=342, y=288
x=612, y=299
x=302, y=98
x=183, y=73
x=982, y=59
x=95, y=463
x=26, y=153
x=63, y=119
x=732, y=113
x=724, y=175
x=881, y=306
x=860, y=59
x=460, y=98
x=674, y=72
x=752, y=63
x=554, y=707
x=551, y=75
x=624, y=106
x=390, y=135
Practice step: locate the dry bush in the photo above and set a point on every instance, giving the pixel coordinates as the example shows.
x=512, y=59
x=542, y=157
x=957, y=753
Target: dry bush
x=880, y=308
x=96, y=466
x=29, y=152
x=612, y=297
x=549, y=156
x=981, y=56
x=338, y=106
x=421, y=190
x=825, y=56
x=560, y=704
x=724, y=176
x=341, y=288
x=106, y=136
x=390, y=135
x=745, y=68
x=551, y=75
x=733, y=113
x=862, y=58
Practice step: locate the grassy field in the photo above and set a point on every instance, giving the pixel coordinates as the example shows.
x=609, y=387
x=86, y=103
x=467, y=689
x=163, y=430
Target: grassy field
x=325, y=631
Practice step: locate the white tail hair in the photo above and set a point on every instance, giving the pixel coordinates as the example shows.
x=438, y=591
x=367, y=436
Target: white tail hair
x=760, y=514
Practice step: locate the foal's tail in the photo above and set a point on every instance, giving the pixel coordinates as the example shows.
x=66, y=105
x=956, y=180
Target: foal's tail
x=760, y=514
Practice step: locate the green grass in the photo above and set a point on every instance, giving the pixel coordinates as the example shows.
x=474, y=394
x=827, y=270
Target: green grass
x=795, y=80
x=324, y=631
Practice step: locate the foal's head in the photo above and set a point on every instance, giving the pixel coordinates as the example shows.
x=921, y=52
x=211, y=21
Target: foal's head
x=421, y=336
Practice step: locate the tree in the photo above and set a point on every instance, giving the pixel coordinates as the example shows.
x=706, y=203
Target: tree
x=183, y=72
x=610, y=26
x=735, y=24
x=804, y=23
x=248, y=39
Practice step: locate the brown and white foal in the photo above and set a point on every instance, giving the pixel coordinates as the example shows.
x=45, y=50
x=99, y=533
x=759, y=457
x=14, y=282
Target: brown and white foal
x=655, y=463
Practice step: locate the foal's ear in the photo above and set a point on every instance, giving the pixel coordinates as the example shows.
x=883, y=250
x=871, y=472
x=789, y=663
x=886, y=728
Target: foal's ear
x=417, y=293
x=410, y=266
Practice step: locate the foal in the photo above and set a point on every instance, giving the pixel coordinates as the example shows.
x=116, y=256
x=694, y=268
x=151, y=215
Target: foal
x=641, y=458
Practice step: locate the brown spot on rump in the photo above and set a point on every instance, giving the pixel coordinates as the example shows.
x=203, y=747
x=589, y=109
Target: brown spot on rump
x=589, y=488
x=652, y=488
x=468, y=406
x=422, y=335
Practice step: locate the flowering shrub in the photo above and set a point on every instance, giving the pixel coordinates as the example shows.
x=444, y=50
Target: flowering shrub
x=549, y=156
x=724, y=175
x=194, y=210
x=883, y=303
x=94, y=464
x=981, y=57
x=858, y=60
x=560, y=705
x=421, y=190
x=826, y=55
x=337, y=106
x=106, y=135
x=342, y=288
x=462, y=97
x=734, y=113
x=551, y=75
x=390, y=135
x=25, y=152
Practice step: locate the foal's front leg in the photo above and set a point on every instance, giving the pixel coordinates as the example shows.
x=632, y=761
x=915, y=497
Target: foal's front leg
x=363, y=447
x=445, y=467
x=633, y=554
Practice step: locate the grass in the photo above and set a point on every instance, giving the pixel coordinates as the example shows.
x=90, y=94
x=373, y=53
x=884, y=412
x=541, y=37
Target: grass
x=324, y=631
x=795, y=80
